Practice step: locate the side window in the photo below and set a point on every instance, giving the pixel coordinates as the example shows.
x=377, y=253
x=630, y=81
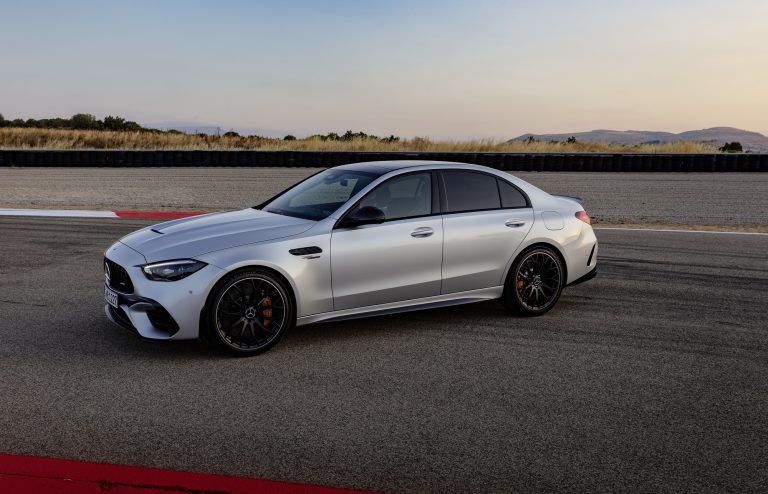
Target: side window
x=402, y=197
x=469, y=191
x=510, y=196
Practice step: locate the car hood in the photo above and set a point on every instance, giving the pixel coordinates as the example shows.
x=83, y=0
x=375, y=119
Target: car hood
x=198, y=235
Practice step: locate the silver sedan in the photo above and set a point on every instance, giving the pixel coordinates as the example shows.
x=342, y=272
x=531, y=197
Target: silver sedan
x=356, y=240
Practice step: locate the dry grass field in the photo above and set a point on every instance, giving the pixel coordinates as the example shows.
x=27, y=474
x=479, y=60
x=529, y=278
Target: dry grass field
x=30, y=138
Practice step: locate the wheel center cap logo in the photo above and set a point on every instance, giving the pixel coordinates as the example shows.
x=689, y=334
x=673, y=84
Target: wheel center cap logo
x=250, y=312
x=537, y=280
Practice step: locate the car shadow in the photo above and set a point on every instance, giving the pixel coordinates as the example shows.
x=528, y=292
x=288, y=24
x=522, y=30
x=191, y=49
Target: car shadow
x=98, y=337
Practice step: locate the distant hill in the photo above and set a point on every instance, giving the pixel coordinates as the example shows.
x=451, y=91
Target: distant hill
x=750, y=141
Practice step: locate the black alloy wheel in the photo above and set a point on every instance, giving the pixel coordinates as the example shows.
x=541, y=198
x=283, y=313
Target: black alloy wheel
x=535, y=282
x=250, y=312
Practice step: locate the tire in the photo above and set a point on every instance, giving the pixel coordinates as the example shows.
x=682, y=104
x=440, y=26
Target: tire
x=249, y=311
x=534, y=283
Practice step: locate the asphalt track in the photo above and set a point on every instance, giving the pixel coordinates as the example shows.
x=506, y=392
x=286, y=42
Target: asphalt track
x=652, y=377
x=708, y=199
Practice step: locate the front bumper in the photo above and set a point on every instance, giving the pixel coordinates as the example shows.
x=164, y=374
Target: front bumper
x=143, y=313
x=155, y=309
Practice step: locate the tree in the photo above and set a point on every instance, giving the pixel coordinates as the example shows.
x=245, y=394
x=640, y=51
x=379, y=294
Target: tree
x=84, y=121
x=289, y=137
x=571, y=140
x=114, y=123
x=231, y=133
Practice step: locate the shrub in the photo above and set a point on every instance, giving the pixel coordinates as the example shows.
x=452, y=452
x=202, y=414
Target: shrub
x=231, y=133
x=731, y=147
x=131, y=126
x=289, y=137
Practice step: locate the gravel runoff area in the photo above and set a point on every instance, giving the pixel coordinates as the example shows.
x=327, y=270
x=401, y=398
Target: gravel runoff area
x=669, y=199
x=653, y=377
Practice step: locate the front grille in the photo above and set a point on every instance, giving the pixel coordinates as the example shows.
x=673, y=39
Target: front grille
x=118, y=278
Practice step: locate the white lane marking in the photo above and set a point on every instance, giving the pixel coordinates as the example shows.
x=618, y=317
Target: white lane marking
x=676, y=231
x=60, y=213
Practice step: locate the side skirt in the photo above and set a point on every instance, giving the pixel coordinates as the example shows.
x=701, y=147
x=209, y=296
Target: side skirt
x=405, y=306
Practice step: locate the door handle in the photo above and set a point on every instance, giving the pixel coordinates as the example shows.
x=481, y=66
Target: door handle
x=514, y=223
x=422, y=232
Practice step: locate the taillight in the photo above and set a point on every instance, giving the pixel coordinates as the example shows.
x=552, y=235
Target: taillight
x=583, y=216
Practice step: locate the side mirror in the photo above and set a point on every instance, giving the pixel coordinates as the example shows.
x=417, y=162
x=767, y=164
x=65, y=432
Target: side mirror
x=367, y=215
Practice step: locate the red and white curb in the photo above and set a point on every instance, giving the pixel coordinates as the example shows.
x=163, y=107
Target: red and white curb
x=83, y=213
x=36, y=475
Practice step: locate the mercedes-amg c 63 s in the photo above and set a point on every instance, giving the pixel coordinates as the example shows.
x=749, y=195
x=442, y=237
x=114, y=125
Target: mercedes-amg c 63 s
x=356, y=240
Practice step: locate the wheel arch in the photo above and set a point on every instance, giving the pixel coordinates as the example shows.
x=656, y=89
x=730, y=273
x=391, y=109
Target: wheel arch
x=225, y=274
x=541, y=243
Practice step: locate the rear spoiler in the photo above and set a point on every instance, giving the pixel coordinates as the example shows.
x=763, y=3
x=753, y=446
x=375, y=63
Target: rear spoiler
x=572, y=198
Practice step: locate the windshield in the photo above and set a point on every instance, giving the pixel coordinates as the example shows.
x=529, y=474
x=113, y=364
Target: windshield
x=320, y=195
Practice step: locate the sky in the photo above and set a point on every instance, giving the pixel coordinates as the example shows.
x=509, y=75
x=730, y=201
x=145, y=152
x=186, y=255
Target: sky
x=440, y=69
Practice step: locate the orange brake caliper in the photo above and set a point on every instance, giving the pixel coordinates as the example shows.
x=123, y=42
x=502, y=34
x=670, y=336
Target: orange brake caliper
x=520, y=283
x=266, y=311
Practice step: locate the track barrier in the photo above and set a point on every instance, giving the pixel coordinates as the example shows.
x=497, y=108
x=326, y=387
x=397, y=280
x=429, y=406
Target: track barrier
x=680, y=163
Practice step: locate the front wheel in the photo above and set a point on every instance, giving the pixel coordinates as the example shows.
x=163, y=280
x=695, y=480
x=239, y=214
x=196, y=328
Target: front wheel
x=249, y=312
x=534, y=283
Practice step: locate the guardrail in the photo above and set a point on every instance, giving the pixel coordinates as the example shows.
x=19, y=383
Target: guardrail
x=502, y=161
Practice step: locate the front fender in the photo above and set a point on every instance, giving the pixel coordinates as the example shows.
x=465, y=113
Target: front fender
x=309, y=276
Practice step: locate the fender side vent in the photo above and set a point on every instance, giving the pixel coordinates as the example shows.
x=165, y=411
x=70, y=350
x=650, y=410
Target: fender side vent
x=303, y=251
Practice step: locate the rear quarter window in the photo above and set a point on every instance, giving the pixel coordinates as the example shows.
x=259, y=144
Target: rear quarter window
x=510, y=196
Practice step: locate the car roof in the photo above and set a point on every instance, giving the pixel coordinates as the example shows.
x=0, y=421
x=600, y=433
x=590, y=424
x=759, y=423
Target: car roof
x=383, y=167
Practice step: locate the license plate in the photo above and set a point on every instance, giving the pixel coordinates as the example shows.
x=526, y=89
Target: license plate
x=110, y=296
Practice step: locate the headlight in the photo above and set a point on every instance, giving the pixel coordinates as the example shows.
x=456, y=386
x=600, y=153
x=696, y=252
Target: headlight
x=172, y=270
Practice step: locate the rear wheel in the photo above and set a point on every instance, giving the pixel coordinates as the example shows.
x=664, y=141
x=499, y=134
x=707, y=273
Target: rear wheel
x=249, y=312
x=535, y=282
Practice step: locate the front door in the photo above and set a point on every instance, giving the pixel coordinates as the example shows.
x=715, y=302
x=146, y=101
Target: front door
x=397, y=260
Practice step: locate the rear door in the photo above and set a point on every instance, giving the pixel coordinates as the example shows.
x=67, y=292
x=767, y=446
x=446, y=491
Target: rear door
x=397, y=260
x=485, y=219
